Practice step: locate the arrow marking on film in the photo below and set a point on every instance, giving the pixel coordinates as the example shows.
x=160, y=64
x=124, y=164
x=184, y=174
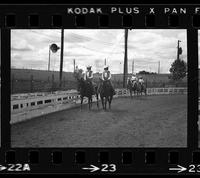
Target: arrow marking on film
x=92, y=168
x=2, y=168
x=179, y=169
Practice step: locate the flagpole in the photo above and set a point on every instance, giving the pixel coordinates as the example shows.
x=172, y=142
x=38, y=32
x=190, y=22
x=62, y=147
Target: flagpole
x=49, y=59
x=125, y=57
x=74, y=64
x=61, y=57
x=178, y=50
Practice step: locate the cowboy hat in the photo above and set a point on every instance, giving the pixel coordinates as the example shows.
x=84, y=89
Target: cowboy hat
x=89, y=66
x=105, y=67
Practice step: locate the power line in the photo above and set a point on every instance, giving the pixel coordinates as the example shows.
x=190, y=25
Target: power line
x=118, y=42
x=143, y=61
x=76, y=36
x=96, y=50
x=47, y=36
x=89, y=38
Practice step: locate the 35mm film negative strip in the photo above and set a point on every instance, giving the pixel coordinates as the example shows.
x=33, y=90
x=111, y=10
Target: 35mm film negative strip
x=100, y=89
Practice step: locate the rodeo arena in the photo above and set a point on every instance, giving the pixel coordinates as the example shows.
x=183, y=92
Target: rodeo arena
x=90, y=109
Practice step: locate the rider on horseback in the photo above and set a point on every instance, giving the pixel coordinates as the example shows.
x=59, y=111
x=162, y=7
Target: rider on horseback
x=78, y=75
x=106, y=76
x=141, y=80
x=88, y=74
x=133, y=78
x=88, y=77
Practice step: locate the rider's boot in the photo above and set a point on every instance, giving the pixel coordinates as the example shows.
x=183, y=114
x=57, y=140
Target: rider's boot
x=114, y=92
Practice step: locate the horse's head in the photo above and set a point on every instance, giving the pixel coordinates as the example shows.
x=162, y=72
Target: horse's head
x=80, y=82
x=106, y=83
x=100, y=79
x=134, y=83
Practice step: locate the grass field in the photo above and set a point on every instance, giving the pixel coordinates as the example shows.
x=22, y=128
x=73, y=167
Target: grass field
x=27, y=80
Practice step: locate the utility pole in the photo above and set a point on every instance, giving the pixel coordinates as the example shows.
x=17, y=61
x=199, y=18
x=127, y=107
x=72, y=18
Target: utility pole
x=105, y=62
x=74, y=64
x=125, y=57
x=61, y=57
x=158, y=67
x=178, y=50
x=49, y=59
x=132, y=66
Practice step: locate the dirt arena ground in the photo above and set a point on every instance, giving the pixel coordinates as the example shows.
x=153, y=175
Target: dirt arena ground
x=147, y=121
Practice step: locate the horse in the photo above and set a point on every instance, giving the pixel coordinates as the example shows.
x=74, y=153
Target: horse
x=106, y=93
x=141, y=88
x=87, y=90
x=133, y=87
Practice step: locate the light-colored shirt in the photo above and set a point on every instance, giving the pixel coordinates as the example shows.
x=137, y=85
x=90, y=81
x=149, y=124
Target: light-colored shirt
x=88, y=75
x=133, y=78
x=106, y=75
x=141, y=80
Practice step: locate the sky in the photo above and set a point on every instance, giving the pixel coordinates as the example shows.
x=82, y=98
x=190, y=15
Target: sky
x=30, y=49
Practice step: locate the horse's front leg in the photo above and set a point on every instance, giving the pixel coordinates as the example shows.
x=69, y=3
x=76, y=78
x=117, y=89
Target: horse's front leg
x=97, y=100
x=89, y=102
x=102, y=101
x=110, y=100
x=81, y=102
x=106, y=99
x=131, y=94
x=137, y=93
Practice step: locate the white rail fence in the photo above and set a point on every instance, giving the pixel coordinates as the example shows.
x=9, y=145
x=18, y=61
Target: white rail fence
x=27, y=106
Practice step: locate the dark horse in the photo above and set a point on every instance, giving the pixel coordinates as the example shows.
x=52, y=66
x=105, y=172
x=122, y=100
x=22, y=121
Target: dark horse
x=141, y=88
x=106, y=93
x=132, y=87
x=87, y=90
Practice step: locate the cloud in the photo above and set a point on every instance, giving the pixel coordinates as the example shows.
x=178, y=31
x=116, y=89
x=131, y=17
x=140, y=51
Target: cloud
x=21, y=45
x=21, y=49
x=30, y=48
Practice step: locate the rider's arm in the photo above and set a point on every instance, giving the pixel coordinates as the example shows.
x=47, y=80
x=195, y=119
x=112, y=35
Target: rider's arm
x=102, y=76
x=91, y=75
x=109, y=76
x=85, y=75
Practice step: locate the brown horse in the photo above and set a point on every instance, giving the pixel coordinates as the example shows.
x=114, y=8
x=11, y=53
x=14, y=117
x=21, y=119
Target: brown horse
x=106, y=93
x=87, y=90
x=132, y=87
x=141, y=88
